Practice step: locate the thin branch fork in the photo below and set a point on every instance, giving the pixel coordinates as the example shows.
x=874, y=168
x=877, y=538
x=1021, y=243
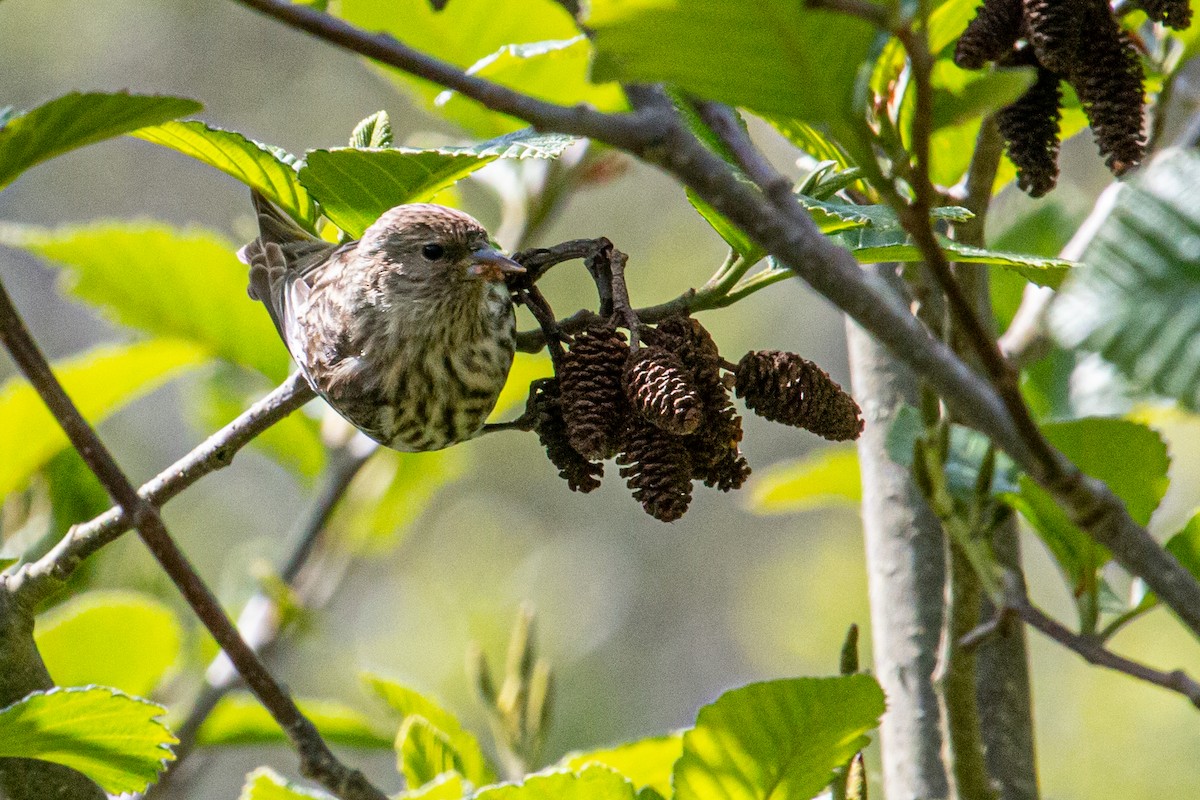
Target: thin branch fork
x=1090, y=648
x=39, y=579
x=317, y=761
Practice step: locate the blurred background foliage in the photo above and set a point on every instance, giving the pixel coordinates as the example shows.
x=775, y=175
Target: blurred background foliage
x=643, y=622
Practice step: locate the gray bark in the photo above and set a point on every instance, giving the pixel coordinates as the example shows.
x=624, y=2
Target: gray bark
x=906, y=574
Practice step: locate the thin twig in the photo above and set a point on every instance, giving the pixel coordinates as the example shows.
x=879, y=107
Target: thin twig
x=39, y=579
x=1090, y=648
x=316, y=760
x=259, y=621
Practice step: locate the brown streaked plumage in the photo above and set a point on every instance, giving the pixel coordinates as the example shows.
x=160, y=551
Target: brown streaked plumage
x=408, y=332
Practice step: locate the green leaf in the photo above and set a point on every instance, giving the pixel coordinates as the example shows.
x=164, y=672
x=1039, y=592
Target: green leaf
x=554, y=71
x=1128, y=456
x=1185, y=546
x=961, y=95
x=964, y=460
x=356, y=186
x=294, y=442
x=821, y=479
x=873, y=246
x=592, y=783
x=645, y=762
x=374, y=131
x=447, y=786
x=114, y=739
x=810, y=140
x=526, y=368
x=425, y=753
x=1137, y=301
x=185, y=284
x=121, y=639
x=778, y=739
x=267, y=169
x=239, y=719
x=770, y=56
x=461, y=34
x=389, y=494
x=265, y=783
x=79, y=119
x=100, y=381
x=408, y=702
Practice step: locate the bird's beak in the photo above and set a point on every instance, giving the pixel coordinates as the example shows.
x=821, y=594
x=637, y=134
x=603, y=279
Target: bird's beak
x=492, y=265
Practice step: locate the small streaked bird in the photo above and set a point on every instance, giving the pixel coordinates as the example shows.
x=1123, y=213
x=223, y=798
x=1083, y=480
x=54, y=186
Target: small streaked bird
x=408, y=332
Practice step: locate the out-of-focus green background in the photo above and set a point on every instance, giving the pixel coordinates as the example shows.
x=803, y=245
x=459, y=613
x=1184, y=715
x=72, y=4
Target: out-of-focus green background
x=644, y=622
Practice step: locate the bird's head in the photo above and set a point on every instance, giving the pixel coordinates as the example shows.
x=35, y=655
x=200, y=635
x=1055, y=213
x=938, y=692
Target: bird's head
x=436, y=245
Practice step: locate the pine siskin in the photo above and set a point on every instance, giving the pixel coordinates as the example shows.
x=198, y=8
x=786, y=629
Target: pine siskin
x=408, y=332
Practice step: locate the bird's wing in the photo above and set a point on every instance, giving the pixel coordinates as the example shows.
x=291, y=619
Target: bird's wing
x=282, y=251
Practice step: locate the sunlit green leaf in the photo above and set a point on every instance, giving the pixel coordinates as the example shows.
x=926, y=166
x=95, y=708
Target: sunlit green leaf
x=810, y=140
x=266, y=169
x=424, y=753
x=554, y=71
x=961, y=95
x=112, y=638
x=1128, y=456
x=389, y=494
x=770, y=56
x=356, y=186
x=873, y=246
x=408, y=702
x=100, y=381
x=1137, y=300
x=186, y=284
x=526, y=368
x=777, y=739
x=239, y=719
x=265, y=783
x=462, y=33
x=447, y=786
x=114, y=739
x=592, y=783
x=374, y=131
x=645, y=762
x=824, y=478
x=79, y=119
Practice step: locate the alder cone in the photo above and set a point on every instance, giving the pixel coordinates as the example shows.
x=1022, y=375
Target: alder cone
x=657, y=468
x=660, y=388
x=593, y=397
x=990, y=35
x=715, y=456
x=1030, y=130
x=1110, y=89
x=783, y=387
x=545, y=406
x=1054, y=32
x=1175, y=14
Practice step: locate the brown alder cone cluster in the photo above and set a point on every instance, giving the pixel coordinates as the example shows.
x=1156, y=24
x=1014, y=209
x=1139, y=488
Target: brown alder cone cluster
x=1077, y=41
x=663, y=410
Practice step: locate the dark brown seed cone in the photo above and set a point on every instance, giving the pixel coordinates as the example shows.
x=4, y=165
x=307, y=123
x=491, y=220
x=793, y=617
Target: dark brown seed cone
x=716, y=459
x=1030, y=130
x=593, y=397
x=545, y=405
x=783, y=387
x=1053, y=30
x=992, y=33
x=660, y=388
x=1175, y=14
x=1109, y=86
x=657, y=468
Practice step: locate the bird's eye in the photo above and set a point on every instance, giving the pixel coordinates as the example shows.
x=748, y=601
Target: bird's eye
x=433, y=251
